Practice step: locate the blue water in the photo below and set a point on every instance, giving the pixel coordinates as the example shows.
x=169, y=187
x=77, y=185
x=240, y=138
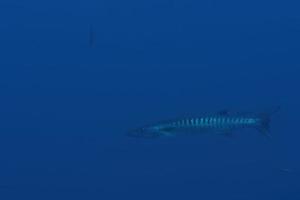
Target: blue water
x=75, y=76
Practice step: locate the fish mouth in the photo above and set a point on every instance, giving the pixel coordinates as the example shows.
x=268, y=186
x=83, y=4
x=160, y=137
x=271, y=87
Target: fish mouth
x=138, y=133
x=133, y=133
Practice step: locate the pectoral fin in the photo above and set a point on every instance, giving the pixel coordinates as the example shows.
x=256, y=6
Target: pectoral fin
x=166, y=133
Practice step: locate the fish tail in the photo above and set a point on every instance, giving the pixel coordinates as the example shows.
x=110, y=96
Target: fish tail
x=265, y=120
x=264, y=125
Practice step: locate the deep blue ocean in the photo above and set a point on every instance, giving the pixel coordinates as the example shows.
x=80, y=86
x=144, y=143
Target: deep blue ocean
x=75, y=76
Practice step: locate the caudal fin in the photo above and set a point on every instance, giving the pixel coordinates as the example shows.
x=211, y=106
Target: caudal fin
x=264, y=126
x=265, y=119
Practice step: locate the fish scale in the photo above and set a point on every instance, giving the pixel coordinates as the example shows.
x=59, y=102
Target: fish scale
x=209, y=123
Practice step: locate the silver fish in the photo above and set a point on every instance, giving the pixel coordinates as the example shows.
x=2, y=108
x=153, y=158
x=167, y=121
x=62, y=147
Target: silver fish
x=221, y=123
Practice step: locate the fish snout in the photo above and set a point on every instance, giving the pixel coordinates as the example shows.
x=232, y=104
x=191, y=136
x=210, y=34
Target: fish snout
x=135, y=133
x=143, y=133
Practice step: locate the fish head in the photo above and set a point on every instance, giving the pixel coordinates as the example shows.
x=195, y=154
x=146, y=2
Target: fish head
x=145, y=132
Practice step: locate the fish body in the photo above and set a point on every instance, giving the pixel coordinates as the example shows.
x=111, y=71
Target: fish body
x=221, y=123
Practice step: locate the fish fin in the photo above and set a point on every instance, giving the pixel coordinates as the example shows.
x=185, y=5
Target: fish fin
x=264, y=131
x=264, y=126
x=166, y=133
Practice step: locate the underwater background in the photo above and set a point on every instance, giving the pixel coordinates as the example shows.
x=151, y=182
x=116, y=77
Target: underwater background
x=75, y=76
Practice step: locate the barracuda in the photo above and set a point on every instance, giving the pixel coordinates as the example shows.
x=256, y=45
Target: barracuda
x=220, y=123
